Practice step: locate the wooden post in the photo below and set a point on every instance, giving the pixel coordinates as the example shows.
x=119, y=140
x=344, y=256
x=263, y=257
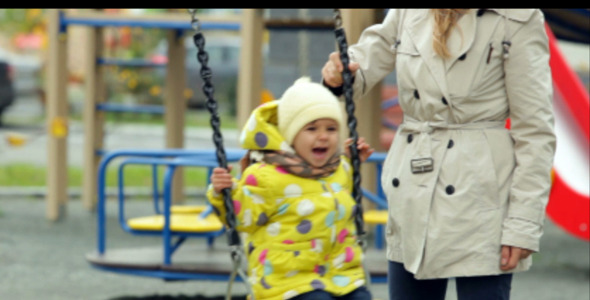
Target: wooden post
x=57, y=122
x=93, y=119
x=250, y=72
x=175, y=104
x=354, y=22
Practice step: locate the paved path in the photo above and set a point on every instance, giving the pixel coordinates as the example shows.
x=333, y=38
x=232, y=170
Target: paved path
x=45, y=260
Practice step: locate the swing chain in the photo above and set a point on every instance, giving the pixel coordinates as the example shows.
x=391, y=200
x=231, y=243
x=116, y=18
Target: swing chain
x=208, y=90
x=337, y=18
x=195, y=24
x=352, y=123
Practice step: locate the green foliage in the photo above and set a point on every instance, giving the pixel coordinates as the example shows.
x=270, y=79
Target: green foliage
x=18, y=20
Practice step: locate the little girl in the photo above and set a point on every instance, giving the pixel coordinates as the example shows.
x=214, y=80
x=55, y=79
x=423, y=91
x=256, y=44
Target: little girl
x=294, y=200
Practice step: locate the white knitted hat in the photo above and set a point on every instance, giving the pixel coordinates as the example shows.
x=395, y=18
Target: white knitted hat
x=303, y=102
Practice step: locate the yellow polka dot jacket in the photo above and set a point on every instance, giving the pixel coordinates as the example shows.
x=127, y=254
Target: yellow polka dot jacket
x=299, y=232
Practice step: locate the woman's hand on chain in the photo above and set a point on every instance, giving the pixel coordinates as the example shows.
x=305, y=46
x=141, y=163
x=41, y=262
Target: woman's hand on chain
x=332, y=70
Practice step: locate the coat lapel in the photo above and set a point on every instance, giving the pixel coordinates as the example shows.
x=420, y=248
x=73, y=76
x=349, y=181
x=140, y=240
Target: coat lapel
x=462, y=37
x=419, y=28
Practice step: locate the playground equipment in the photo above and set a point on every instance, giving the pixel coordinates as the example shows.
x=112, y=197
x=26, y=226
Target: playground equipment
x=569, y=202
x=95, y=105
x=251, y=25
x=158, y=262
x=249, y=86
x=176, y=223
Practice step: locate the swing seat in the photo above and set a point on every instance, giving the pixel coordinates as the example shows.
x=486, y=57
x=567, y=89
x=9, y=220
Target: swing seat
x=181, y=222
x=376, y=216
x=187, y=209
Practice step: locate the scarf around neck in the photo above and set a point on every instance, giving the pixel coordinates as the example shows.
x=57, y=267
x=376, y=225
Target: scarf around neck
x=294, y=164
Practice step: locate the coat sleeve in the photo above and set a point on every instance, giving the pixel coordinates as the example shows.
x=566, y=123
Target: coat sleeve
x=252, y=198
x=375, y=53
x=529, y=90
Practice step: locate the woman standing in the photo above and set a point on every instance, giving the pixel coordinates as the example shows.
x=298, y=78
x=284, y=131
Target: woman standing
x=466, y=195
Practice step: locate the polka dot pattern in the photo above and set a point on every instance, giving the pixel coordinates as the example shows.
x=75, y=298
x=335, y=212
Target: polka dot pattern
x=252, y=123
x=292, y=191
x=304, y=226
x=273, y=229
x=251, y=180
x=262, y=256
x=247, y=217
x=237, y=206
x=303, y=219
x=264, y=284
x=341, y=211
x=261, y=139
x=340, y=280
x=283, y=209
x=349, y=254
x=338, y=261
x=320, y=269
x=336, y=187
x=317, y=245
x=318, y=285
x=290, y=294
x=330, y=219
x=267, y=268
x=342, y=235
x=346, y=165
x=262, y=219
x=305, y=207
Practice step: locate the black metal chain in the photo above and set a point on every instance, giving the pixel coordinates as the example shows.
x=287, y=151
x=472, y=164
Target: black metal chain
x=352, y=123
x=208, y=89
x=230, y=219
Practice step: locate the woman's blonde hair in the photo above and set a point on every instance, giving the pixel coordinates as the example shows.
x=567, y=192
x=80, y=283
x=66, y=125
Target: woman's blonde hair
x=445, y=20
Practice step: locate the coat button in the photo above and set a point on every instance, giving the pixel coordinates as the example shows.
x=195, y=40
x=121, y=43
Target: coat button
x=410, y=138
x=395, y=182
x=450, y=189
x=444, y=101
x=416, y=94
x=451, y=144
x=462, y=57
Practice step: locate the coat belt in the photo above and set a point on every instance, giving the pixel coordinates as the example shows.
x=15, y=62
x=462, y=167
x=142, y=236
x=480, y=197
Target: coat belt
x=413, y=126
x=422, y=159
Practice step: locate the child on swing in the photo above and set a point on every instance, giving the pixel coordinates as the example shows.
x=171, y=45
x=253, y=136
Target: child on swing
x=294, y=200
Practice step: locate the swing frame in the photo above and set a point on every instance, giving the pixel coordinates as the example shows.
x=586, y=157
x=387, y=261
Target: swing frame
x=234, y=241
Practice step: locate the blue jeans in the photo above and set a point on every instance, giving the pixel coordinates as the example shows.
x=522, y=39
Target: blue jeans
x=361, y=293
x=403, y=286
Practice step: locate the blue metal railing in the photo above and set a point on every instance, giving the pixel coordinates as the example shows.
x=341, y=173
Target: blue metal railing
x=172, y=159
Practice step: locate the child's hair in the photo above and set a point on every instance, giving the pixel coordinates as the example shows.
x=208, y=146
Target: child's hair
x=304, y=102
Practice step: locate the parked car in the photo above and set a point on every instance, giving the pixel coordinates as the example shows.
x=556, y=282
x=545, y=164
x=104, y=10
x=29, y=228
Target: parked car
x=19, y=75
x=7, y=93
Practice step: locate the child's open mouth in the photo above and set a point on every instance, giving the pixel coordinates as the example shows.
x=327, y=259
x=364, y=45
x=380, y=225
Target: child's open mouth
x=319, y=150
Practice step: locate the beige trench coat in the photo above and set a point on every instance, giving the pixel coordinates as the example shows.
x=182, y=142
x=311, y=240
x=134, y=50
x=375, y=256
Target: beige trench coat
x=475, y=185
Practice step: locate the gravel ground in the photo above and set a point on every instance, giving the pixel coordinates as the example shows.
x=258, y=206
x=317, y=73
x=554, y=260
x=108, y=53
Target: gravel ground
x=40, y=259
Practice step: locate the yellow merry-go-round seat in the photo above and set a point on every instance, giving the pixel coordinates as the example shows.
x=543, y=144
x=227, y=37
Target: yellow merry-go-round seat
x=180, y=222
x=377, y=217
